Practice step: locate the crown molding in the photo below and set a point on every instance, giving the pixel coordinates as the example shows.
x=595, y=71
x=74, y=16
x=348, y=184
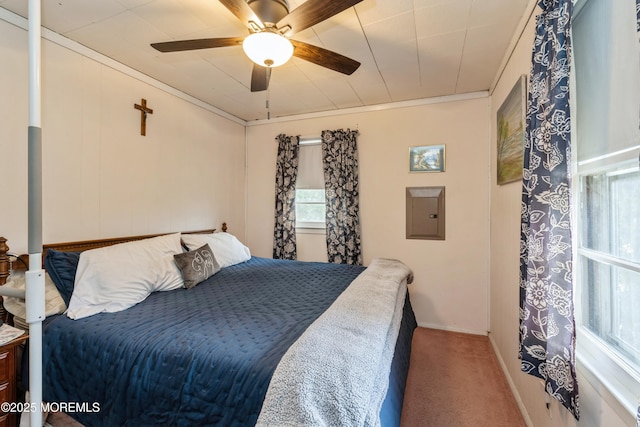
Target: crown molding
x=376, y=107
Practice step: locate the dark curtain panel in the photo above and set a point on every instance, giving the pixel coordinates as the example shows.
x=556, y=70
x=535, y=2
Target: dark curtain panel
x=340, y=162
x=547, y=324
x=284, y=233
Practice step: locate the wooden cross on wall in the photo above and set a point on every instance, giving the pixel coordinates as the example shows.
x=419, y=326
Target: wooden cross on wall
x=143, y=115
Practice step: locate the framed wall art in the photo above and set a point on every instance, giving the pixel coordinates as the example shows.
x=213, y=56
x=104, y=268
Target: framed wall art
x=426, y=158
x=511, y=119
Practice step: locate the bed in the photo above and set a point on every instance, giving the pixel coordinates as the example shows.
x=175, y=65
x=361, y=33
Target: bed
x=260, y=342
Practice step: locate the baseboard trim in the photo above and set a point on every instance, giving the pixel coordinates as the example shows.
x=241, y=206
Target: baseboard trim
x=512, y=385
x=451, y=329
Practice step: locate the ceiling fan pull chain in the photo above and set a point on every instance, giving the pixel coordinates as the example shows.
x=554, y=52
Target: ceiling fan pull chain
x=268, y=94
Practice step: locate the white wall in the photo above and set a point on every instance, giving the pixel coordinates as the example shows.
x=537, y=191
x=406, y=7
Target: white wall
x=101, y=177
x=451, y=276
x=598, y=407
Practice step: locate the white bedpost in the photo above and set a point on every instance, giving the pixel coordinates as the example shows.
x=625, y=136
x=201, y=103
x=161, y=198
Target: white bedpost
x=35, y=275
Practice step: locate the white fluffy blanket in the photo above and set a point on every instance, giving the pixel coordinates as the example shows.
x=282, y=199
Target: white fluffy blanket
x=337, y=372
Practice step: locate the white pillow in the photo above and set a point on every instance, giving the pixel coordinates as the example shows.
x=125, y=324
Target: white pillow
x=117, y=277
x=227, y=249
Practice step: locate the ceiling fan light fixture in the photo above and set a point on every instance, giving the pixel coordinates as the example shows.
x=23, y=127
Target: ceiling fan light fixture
x=267, y=48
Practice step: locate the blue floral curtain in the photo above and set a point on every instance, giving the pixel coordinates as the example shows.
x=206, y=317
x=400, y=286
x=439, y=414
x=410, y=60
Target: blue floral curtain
x=547, y=324
x=340, y=162
x=284, y=233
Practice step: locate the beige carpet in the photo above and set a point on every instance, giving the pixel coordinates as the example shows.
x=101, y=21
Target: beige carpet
x=455, y=381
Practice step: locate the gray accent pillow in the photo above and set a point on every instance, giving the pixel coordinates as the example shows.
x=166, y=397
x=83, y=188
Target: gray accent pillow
x=196, y=266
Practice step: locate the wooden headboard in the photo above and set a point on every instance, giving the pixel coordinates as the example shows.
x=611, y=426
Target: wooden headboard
x=4, y=261
x=81, y=245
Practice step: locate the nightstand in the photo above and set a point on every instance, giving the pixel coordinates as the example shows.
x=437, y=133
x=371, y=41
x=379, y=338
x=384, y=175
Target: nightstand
x=8, y=382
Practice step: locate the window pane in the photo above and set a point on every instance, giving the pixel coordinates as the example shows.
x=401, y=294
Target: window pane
x=610, y=216
x=310, y=196
x=609, y=306
x=310, y=206
x=310, y=213
x=594, y=213
x=626, y=315
x=595, y=299
x=625, y=191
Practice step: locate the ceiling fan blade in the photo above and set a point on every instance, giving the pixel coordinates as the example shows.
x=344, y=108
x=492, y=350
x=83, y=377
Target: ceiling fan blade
x=260, y=77
x=311, y=12
x=324, y=57
x=180, y=45
x=242, y=11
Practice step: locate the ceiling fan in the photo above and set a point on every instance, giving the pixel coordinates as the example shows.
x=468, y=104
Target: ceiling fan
x=271, y=20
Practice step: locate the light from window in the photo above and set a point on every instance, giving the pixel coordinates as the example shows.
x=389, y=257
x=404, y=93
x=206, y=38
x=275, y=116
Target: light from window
x=609, y=257
x=310, y=208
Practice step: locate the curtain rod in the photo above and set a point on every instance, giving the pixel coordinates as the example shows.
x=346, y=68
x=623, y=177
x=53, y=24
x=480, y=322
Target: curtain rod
x=315, y=139
x=310, y=140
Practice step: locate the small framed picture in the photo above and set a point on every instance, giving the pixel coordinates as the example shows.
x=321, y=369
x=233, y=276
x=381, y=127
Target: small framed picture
x=426, y=158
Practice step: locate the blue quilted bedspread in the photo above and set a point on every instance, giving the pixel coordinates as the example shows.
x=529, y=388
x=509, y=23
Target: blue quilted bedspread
x=202, y=356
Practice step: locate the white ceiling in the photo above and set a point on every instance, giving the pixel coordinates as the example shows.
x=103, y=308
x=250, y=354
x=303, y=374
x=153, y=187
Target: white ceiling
x=409, y=49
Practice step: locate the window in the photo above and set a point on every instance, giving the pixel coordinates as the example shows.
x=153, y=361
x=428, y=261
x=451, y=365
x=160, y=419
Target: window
x=610, y=259
x=310, y=208
x=310, y=197
x=607, y=195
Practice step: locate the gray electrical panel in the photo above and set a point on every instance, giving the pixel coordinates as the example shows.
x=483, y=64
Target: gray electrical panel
x=425, y=213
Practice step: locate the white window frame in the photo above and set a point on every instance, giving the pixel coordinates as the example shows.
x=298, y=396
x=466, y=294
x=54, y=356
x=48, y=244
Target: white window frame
x=310, y=227
x=602, y=362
